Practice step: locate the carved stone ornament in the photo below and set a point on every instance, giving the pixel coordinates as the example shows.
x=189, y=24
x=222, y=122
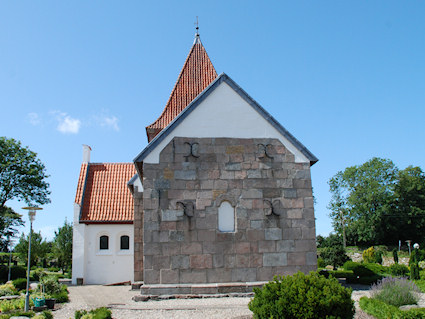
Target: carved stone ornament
x=272, y=207
x=193, y=150
x=264, y=151
x=187, y=206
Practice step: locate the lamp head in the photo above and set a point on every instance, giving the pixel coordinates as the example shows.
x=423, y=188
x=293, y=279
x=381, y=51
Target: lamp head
x=32, y=211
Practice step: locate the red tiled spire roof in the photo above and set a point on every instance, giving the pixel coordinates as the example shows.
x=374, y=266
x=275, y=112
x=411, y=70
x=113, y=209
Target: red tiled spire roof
x=103, y=194
x=197, y=73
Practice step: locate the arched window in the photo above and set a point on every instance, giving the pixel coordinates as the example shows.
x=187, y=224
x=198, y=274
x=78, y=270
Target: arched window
x=104, y=242
x=226, y=217
x=124, y=242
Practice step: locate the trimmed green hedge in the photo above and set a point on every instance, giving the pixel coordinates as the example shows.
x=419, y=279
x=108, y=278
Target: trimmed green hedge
x=381, y=310
x=15, y=272
x=99, y=313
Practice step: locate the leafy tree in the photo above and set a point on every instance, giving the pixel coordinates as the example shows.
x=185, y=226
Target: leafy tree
x=22, y=177
x=406, y=215
x=62, y=245
x=333, y=240
x=9, y=220
x=39, y=248
x=331, y=250
x=361, y=195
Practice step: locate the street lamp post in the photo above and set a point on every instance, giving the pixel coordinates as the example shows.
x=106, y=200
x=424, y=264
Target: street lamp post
x=9, y=244
x=31, y=215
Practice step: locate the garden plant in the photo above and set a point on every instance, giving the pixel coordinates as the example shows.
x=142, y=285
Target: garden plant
x=302, y=296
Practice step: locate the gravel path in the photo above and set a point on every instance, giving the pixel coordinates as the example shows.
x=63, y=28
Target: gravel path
x=118, y=299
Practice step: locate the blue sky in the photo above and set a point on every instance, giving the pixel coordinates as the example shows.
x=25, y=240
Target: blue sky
x=345, y=78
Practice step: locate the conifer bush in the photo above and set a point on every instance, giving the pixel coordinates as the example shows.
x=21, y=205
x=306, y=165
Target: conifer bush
x=399, y=270
x=302, y=296
x=20, y=283
x=395, y=255
x=369, y=255
x=350, y=265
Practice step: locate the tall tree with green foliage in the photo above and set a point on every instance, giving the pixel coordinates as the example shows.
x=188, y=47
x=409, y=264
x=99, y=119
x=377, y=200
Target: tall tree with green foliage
x=361, y=195
x=62, y=245
x=39, y=249
x=406, y=214
x=22, y=177
x=9, y=221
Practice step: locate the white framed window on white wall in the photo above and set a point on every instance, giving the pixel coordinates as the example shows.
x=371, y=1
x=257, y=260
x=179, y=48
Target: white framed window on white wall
x=124, y=242
x=226, y=217
x=103, y=242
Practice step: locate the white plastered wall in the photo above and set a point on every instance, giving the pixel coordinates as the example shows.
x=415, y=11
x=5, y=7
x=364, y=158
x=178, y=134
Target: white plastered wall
x=78, y=236
x=225, y=114
x=97, y=266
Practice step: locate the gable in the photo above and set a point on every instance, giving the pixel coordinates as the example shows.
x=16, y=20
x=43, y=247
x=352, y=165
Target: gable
x=224, y=110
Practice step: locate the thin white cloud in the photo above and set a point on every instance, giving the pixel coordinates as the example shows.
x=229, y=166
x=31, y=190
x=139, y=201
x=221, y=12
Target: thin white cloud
x=105, y=120
x=34, y=118
x=109, y=122
x=67, y=124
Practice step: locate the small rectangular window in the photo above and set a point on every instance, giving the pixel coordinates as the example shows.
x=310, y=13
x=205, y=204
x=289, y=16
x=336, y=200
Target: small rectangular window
x=125, y=243
x=104, y=242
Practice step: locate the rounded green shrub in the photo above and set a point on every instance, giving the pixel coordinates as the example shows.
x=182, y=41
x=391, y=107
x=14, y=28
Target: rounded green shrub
x=99, y=313
x=18, y=272
x=20, y=283
x=320, y=263
x=369, y=255
x=51, y=284
x=7, y=290
x=399, y=270
x=38, y=273
x=363, y=271
x=350, y=265
x=302, y=296
x=61, y=296
x=377, y=268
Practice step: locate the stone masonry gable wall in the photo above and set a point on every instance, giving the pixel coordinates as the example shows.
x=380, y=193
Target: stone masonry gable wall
x=272, y=197
x=138, y=234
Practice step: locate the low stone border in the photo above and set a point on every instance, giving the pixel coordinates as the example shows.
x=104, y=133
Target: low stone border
x=200, y=289
x=190, y=296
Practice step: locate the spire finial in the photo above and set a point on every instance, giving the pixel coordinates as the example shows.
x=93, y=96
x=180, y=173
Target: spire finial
x=197, y=27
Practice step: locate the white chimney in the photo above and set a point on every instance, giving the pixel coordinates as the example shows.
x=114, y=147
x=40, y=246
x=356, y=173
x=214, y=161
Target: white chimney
x=86, y=153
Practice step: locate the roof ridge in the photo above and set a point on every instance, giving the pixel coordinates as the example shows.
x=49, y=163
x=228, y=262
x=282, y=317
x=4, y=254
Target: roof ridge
x=110, y=163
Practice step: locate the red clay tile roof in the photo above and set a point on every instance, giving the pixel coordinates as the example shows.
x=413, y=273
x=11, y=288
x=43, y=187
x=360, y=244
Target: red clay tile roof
x=103, y=193
x=197, y=73
x=81, y=181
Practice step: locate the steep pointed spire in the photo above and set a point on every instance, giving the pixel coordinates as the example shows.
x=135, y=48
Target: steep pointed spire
x=197, y=73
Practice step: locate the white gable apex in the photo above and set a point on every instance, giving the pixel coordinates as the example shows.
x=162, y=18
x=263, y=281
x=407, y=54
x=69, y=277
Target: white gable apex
x=224, y=113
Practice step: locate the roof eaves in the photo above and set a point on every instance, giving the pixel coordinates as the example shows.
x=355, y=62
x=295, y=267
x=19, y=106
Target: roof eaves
x=313, y=159
x=107, y=221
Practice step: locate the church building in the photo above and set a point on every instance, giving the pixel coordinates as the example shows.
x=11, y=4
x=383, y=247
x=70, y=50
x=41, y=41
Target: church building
x=221, y=196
